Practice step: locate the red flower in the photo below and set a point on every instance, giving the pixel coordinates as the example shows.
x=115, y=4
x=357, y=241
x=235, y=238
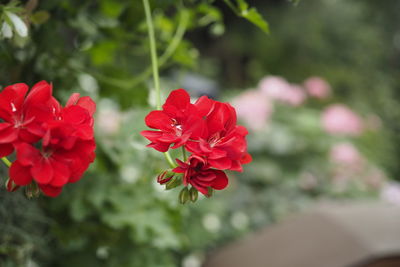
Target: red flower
x=224, y=142
x=67, y=148
x=198, y=173
x=23, y=116
x=208, y=129
x=178, y=121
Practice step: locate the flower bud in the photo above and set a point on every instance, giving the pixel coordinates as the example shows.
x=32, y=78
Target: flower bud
x=184, y=195
x=210, y=192
x=194, y=194
x=174, y=182
x=11, y=186
x=165, y=176
x=32, y=191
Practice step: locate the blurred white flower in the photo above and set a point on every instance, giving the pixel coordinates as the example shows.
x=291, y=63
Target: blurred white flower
x=102, y=252
x=130, y=173
x=88, y=83
x=191, y=261
x=109, y=119
x=390, y=193
x=212, y=222
x=19, y=25
x=6, y=30
x=240, y=220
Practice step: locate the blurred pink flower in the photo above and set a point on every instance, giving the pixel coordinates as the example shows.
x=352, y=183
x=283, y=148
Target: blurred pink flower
x=274, y=87
x=339, y=119
x=295, y=96
x=346, y=154
x=254, y=108
x=279, y=89
x=317, y=87
x=391, y=193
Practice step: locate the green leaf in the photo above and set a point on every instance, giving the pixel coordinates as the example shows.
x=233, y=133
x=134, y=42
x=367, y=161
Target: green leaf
x=40, y=17
x=251, y=14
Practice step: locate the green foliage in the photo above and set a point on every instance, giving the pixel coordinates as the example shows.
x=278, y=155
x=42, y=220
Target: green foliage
x=243, y=10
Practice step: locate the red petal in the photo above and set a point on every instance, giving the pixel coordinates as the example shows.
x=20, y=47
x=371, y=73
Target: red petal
x=236, y=166
x=42, y=171
x=151, y=135
x=27, y=155
x=73, y=99
x=204, y=105
x=202, y=189
x=25, y=135
x=8, y=133
x=11, y=99
x=87, y=103
x=75, y=115
x=49, y=190
x=39, y=94
x=246, y=159
x=19, y=174
x=61, y=173
x=221, y=163
x=157, y=119
x=221, y=181
x=178, y=98
x=162, y=147
x=6, y=149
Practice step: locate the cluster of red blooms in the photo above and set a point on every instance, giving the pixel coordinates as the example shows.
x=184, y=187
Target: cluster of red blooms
x=54, y=145
x=208, y=130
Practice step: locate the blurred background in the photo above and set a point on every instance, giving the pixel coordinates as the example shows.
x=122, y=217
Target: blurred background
x=319, y=94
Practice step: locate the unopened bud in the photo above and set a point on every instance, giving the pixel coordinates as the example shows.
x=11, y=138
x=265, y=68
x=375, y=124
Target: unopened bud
x=11, y=186
x=184, y=195
x=164, y=177
x=32, y=190
x=210, y=192
x=194, y=194
x=174, y=182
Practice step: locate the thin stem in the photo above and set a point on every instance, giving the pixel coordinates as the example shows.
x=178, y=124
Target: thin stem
x=6, y=161
x=171, y=162
x=154, y=63
x=173, y=45
x=184, y=154
x=153, y=52
x=232, y=6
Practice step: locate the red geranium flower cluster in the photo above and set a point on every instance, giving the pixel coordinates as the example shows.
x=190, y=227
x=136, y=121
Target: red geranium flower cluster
x=208, y=130
x=54, y=145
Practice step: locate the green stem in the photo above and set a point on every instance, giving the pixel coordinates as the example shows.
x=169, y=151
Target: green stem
x=184, y=154
x=154, y=63
x=173, y=45
x=171, y=162
x=6, y=161
x=232, y=6
x=153, y=52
